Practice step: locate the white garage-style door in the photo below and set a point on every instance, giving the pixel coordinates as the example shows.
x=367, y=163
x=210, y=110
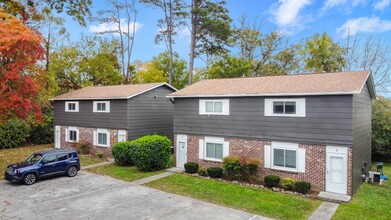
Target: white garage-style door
x=337, y=169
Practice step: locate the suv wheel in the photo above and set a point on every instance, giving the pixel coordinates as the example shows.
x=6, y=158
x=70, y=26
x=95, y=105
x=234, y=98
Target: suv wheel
x=30, y=179
x=72, y=171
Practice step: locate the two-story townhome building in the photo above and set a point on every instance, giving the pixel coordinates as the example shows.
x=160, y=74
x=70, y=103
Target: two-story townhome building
x=310, y=127
x=104, y=115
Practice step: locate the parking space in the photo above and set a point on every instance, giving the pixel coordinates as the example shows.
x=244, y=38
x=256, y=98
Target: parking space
x=90, y=196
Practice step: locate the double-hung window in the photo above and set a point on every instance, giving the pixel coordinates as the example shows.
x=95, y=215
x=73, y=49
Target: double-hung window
x=101, y=106
x=285, y=107
x=213, y=149
x=285, y=156
x=214, y=107
x=102, y=138
x=72, y=134
x=71, y=106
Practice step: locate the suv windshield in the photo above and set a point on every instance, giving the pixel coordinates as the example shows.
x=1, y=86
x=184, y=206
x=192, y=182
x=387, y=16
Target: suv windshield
x=34, y=158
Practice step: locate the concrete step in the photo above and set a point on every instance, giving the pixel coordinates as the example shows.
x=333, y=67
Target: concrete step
x=334, y=197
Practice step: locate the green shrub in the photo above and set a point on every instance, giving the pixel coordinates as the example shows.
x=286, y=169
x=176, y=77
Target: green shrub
x=191, y=167
x=84, y=147
x=215, y=172
x=302, y=187
x=43, y=132
x=150, y=152
x=232, y=167
x=14, y=133
x=271, y=180
x=100, y=155
x=250, y=169
x=287, y=183
x=202, y=171
x=121, y=153
x=171, y=161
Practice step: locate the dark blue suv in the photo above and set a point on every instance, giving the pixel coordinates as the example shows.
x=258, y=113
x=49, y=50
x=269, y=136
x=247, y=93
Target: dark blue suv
x=44, y=164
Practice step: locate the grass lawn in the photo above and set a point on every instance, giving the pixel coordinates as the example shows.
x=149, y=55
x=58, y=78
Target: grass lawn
x=370, y=202
x=262, y=202
x=15, y=155
x=124, y=173
x=87, y=160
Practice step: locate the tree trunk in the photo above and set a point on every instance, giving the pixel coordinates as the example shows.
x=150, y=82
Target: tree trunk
x=170, y=27
x=192, y=42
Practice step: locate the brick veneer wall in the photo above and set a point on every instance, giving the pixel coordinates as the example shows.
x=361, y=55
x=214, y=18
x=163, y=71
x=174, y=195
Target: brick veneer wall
x=87, y=135
x=315, y=164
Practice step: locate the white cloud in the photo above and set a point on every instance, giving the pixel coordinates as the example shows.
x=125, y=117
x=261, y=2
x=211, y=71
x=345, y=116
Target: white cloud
x=345, y=4
x=184, y=33
x=364, y=24
x=112, y=27
x=287, y=13
x=381, y=4
x=333, y=3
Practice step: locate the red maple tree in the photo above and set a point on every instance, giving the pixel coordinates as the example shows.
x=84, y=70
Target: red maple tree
x=20, y=51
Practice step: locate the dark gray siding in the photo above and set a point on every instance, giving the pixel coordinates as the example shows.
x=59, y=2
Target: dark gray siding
x=362, y=113
x=115, y=119
x=328, y=120
x=151, y=113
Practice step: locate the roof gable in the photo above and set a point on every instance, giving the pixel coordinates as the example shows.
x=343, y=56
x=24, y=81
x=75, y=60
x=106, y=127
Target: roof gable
x=286, y=85
x=110, y=92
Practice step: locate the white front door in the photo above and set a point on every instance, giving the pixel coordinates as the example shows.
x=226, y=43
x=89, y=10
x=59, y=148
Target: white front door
x=57, y=137
x=181, y=150
x=336, y=169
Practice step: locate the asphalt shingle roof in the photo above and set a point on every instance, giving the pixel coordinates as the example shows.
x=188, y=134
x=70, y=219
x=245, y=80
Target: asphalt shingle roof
x=300, y=84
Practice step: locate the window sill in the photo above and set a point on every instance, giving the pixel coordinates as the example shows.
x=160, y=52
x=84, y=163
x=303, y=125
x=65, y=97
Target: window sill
x=286, y=115
x=71, y=111
x=289, y=170
x=213, y=159
x=98, y=145
x=101, y=112
x=73, y=141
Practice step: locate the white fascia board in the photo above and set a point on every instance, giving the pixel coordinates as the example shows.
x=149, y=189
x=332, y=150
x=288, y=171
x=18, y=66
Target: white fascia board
x=266, y=94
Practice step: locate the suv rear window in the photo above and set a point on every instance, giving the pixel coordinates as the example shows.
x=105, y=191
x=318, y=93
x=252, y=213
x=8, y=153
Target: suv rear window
x=61, y=157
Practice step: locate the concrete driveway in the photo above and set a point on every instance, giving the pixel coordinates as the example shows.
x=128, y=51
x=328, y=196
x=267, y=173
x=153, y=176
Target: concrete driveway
x=90, y=196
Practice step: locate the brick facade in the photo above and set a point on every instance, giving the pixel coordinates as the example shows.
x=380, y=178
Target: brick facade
x=315, y=160
x=87, y=135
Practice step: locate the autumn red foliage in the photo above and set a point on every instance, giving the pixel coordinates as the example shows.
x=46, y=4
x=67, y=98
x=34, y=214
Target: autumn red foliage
x=20, y=51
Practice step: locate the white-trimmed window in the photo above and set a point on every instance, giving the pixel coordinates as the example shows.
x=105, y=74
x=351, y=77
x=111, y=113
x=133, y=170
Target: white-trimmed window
x=121, y=135
x=213, y=149
x=72, y=134
x=72, y=106
x=285, y=156
x=285, y=107
x=101, y=106
x=214, y=107
x=102, y=138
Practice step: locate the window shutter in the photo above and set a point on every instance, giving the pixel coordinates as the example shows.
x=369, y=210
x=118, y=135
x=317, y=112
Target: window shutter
x=77, y=135
x=202, y=107
x=108, y=106
x=108, y=139
x=268, y=107
x=66, y=134
x=300, y=107
x=267, y=156
x=301, y=160
x=226, y=149
x=226, y=107
x=201, y=149
x=95, y=139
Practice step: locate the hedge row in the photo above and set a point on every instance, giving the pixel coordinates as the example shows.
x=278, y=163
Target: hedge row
x=148, y=153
